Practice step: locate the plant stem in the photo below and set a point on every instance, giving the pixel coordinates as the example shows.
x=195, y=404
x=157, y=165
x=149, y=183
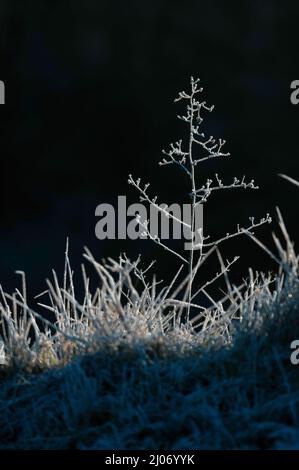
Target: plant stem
x=192, y=177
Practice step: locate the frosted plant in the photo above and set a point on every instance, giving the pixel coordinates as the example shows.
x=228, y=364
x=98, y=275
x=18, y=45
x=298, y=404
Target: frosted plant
x=120, y=311
x=198, y=149
x=151, y=383
x=123, y=372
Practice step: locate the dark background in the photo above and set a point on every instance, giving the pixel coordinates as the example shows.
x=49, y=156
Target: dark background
x=89, y=92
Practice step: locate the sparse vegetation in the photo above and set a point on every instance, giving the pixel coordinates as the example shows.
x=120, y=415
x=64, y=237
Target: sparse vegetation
x=125, y=369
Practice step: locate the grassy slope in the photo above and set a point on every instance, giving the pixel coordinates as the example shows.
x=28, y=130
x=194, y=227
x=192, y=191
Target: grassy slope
x=157, y=394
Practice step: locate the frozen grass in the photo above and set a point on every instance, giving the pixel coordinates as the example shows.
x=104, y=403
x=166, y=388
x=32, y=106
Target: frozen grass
x=121, y=371
x=137, y=364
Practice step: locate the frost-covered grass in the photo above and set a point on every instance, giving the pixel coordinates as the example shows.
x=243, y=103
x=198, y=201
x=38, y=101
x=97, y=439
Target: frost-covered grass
x=121, y=370
x=139, y=364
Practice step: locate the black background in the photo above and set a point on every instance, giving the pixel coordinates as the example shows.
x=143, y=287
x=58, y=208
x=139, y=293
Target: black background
x=89, y=99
